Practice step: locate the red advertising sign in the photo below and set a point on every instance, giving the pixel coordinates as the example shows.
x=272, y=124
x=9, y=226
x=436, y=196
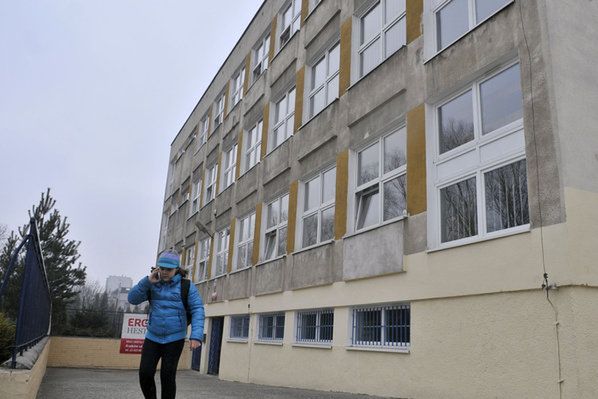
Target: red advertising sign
x=133, y=332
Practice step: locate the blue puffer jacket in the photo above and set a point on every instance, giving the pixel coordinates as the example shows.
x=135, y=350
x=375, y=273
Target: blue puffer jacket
x=167, y=318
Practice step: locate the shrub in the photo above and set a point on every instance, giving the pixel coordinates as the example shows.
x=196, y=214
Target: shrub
x=7, y=336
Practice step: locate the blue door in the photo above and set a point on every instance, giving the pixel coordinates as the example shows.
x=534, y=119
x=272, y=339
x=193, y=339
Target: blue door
x=215, y=345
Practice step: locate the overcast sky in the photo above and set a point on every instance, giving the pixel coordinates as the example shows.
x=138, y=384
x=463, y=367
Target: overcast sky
x=92, y=93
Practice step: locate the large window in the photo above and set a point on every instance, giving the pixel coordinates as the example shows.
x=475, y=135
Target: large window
x=454, y=18
x=190, y=258
x=315, y=326
x=237, y=87
x=480, y=184
x=381, y=32
x=260, y=57
x=210, y=183
x=245, y=241
x=222, y=241
x=382, y=326
x=219, y=118
x=204, y=126
x=239, y=327
x=230, y=167
x=284, y=113
x=318, y=208
x=253, y=146
x=202, y=260
x=276, y=227
x=381, y=186
x=290, y=19
x=195, y=193
x=324, y=80
x=271, y=327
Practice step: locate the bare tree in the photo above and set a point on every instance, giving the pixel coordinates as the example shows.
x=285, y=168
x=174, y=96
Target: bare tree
x=3, y=232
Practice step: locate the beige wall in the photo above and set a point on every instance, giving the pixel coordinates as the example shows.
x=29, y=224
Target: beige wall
x=98, y=353
x=24, y=384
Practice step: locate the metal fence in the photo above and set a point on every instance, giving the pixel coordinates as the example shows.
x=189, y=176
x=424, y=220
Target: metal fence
x=35, y=303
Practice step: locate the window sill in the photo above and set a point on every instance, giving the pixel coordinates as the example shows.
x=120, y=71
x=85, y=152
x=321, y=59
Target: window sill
x=264, y=262
x=239, y=270
x=356, y=82
x=319, y=112
x=207, y=203
x=285, y=45
x=248, y=170
x=193, y=214
x=311, y=346
x=226, y=188
x=237, y=340
x=475, y=240
x=320, y=244
x=273, y=343
x=368, y=229
x=438, y=52
x=381, y=350
x=279, y=145
x=310, y=12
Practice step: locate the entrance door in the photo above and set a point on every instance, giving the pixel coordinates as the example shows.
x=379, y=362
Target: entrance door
x=215, y=345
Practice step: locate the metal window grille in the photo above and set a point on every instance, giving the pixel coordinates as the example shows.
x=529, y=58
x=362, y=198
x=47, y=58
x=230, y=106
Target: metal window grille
x=382, y=326
x=271, y=327
x=239, y=327
x=315, y=326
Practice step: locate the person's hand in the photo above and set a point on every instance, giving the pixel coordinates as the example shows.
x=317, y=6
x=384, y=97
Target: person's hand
x=194, y=344
x=154, y=276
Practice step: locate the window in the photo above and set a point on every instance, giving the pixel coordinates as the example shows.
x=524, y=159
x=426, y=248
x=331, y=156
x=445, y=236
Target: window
x=195, y=191
x=290, y=20
x=324, y=81
x=315, y=326
x=237, y=86
x=276, y=227
x=219, y=118
x=284, y=112
x=253, y=146
x=239, y=327
x=271, y=327
x=381, y=181
x=245, y=242
x=318, y=209
x=202, y=261
x=210, y=188
x=480, y=182
x=260, y=56
x=454, y=18
x=382, y=326
x=222, y=241
x=190, y=258
x=204, y=125
x=382, y=31
x=230, y=166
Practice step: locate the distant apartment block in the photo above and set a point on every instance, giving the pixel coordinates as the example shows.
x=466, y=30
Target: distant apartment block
x=398, y=198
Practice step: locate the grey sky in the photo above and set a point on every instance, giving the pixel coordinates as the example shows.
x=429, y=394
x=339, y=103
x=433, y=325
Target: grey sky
x=92, y=93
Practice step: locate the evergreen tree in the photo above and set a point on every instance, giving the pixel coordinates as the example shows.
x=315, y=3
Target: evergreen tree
x=61, y=254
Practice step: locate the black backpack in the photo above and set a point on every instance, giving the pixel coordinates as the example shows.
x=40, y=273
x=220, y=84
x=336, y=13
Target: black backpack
x=185, y=284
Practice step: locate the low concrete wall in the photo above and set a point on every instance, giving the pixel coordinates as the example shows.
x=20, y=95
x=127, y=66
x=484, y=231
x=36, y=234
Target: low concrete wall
x=24, y=384
x=101, y=353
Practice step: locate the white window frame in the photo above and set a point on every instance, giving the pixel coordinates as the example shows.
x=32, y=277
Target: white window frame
x=237, y=87
x=190, y=258
x=255, y=149
x=275, y=229
x=244, y=242
x=357, y=72
x=318, y=327
x=379, y=181
x=287, y=30
x=195, y=197
x=210, y=184
x=245, y=321
x=201, y=272
x=204, y=125
x=493, y=150
x=322, y=207
x=230, y=167
x=274, y=328
x=325, y=85
x=261, y=52
x=432, y=7
x=222, y=246
x=289, y=115
x=383, y=327
x=219, y=118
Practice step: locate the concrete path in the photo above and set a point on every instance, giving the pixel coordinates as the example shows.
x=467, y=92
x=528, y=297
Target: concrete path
x=123, y=384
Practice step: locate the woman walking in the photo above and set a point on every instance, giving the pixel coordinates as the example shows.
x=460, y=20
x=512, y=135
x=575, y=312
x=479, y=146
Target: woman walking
x=167, y=325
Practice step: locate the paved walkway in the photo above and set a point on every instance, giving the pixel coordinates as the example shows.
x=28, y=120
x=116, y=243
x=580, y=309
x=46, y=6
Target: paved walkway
x=122, y=384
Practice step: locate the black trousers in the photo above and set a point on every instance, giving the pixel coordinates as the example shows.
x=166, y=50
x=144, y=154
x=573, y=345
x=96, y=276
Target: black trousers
x=150, y=354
